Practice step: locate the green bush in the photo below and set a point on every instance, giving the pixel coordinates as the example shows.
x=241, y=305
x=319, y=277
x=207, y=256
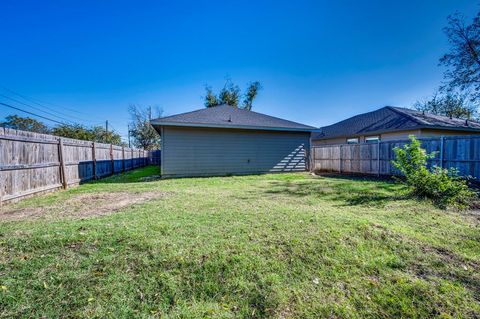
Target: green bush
x=443, y=186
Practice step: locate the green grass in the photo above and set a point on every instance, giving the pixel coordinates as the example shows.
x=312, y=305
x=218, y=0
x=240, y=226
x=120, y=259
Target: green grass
x=278, y=245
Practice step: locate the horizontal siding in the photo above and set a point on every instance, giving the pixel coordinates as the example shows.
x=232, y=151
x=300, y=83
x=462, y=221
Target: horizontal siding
x=199, y=152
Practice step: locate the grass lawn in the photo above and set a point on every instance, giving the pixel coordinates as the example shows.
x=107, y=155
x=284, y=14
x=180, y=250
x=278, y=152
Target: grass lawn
x=277, y=245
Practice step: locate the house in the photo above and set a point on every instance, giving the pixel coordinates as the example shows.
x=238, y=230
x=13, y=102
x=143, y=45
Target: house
x=392, y=123
x=225, y=140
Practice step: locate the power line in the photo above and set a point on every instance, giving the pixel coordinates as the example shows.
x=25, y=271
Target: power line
x=32, y=100
x=36, y=108
x=19, y=109
x=36, y=101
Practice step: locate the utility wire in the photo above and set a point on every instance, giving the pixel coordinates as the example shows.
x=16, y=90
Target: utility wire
x=36, y=101
x=113, y=129
x=32, y=100
x=36, y=108
x=19, y=109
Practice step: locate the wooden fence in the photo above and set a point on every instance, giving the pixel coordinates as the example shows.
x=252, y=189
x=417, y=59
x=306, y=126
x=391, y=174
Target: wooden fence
x=32, y=162
x=155, y=157
x=461, y=152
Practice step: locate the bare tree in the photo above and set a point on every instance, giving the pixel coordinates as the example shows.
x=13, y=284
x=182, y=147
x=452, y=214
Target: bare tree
x=450, y=104
x=463, y=59
x=143, y=134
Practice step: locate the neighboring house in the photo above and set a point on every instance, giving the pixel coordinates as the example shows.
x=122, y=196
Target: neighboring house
x=224, y=140
x=392, y=123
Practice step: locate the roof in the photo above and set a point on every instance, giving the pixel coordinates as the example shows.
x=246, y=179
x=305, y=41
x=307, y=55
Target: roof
x=391, y=119
x=225, y=116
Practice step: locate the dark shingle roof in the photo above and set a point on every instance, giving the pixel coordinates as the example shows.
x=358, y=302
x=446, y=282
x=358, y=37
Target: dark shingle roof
x=389, y=119
x=225, y=116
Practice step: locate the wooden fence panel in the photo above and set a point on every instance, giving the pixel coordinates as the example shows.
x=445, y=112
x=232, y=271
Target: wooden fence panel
x=155, y=157
x=32, y=162
x=103, y=161
x=460, y=152
x=37, y=160
x=327, y=158
x=78, y=160
x=128, y=158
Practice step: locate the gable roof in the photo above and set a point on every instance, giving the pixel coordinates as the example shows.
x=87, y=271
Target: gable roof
x=390, y=119
x=225, y=116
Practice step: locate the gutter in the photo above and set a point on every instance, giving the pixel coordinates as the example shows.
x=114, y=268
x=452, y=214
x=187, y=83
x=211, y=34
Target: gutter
x=246, y=127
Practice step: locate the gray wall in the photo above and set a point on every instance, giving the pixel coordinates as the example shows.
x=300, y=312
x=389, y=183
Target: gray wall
x=205, y=152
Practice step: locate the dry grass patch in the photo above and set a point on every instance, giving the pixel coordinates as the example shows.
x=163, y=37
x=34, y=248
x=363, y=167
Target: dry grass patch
x=79, y=206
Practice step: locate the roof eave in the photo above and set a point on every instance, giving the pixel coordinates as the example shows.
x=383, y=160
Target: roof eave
x=435, y=127
x=245, y=127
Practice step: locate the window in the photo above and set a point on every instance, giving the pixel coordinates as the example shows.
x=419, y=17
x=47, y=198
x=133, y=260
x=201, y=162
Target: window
x=372, y=139
x=352, y=140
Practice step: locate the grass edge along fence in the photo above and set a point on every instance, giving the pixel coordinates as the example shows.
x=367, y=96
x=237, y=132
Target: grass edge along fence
x=32, y=163
x=461, y=152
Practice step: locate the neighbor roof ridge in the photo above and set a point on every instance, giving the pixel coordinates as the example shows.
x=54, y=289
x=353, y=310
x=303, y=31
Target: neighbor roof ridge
x=184, y=113
x=399, y=110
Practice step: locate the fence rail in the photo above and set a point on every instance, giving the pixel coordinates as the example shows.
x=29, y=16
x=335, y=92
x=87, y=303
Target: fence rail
x=31, y=162
x=461, y=152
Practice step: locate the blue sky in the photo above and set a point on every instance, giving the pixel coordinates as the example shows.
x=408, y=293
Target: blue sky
x=318, y=61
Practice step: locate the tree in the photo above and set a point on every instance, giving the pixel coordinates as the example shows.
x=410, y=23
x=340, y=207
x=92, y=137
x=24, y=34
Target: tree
x=251, y=94
x=95, y=134
x=230, y=95
x=75, y=131
x=463, y=59
x=25, y=124
x=143, y=134
x=107, y=137
x=450, y=104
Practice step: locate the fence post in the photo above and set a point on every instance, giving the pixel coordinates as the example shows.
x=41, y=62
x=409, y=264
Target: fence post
x=312, y=159
x=378, y=158
x=123, y=158
x=1, y=195
x=340, y=160
x=94, y=161
x=61, y=158
x=442, y=141
x=111, y=159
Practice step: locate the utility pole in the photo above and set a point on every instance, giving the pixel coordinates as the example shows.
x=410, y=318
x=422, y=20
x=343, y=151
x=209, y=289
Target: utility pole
x=128, y=136
x=149, y=113
x=106, y=126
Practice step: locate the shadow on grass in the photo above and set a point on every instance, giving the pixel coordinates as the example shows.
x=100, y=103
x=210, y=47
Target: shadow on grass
x=344, y=190
x=139, y=175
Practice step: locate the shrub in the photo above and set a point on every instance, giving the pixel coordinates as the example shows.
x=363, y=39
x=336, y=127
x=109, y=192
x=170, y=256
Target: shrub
x=443, y=186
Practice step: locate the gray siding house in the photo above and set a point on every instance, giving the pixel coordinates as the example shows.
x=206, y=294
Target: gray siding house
x=224, y=140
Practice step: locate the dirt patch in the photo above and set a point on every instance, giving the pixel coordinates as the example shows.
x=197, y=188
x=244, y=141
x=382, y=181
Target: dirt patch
x=474, y=214
x=80, y=206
